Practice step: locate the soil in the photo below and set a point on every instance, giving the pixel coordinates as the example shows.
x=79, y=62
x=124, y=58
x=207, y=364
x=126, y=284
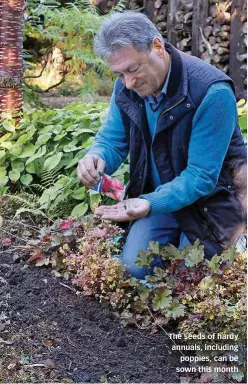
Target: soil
x=51, y=333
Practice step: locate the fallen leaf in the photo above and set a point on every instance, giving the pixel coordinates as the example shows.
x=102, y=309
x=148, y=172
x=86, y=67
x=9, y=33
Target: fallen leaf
x=66, y=224
x=36, y=256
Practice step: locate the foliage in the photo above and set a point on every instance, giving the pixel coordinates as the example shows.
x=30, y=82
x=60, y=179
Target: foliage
x=40, y=154
x=242, y=116
x=196, y=295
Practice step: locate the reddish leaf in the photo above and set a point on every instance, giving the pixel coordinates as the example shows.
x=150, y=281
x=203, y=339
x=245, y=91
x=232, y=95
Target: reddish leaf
x=36, y=256
x=46, y=239
x=98, y=232
x=6, y=242
x=66, y=224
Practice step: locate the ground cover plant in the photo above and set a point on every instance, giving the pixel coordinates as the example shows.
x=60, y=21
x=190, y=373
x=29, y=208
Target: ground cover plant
x=187, y=292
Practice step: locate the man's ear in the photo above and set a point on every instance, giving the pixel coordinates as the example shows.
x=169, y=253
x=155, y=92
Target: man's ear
x=158, y=46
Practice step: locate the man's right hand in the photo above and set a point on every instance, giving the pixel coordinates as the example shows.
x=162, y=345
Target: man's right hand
x=88, y=170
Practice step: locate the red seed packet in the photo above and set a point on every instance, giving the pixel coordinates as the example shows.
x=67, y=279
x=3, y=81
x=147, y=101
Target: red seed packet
x=110, y=187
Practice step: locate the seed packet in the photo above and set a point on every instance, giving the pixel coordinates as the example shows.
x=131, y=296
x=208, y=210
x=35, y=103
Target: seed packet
x=110, y=187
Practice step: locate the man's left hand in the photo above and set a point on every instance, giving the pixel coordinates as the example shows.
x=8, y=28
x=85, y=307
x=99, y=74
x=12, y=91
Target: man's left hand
x=127, y=210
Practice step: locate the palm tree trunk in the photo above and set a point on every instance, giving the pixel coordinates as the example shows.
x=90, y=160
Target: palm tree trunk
x=11, y=62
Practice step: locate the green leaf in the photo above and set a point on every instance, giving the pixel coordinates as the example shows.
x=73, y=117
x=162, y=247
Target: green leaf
x=144, y=259
x=214, y=264
x=14, y=175
x=41, y=152
x=229, y=255
x=43, y=139
x=79, y=194
x=194, y=254
x=162, y=299
x=24, y=138
x=15, y=150
x=7, y=144
x=3, y=178
x=18, y=165
x=175, y=310
x=206, y=283
x=170, y=252
x=95, y=199
x=8, y=126
x=28, y=151
x=30, y=168
x=2, y=154
x=79, y=210
x=26, y=179
x=243, y=123
x=154, y=247
x=52, y=161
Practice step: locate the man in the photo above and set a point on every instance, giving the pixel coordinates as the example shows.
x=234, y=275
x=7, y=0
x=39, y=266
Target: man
x=176, y=116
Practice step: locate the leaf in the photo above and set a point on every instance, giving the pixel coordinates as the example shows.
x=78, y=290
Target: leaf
x=79, y=210
x=79, y=194
x=175, y=310
x=154, y=247
x=25, y=138
x=14, y=175
x=5, y=137
x=194, y=254
x=7, y=144
x=229, y=255
x=214, y=264
x=170, y=252
x=243, y=123
x=43, y=139
x=65, y=224
x=144, y=259
x=26, y=179
x=52, y=161
x=18, y=164
x=30, y=168
x=15, y=150
x=2, y=154
x=95, y=199
x=162, y=298
x=36, y=256
x=8, y=126
x=206, y=283
x=41, y=152
x=28, y=151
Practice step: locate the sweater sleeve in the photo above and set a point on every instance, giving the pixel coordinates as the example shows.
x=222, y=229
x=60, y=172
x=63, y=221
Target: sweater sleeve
x=212, y=128
x=111, y=143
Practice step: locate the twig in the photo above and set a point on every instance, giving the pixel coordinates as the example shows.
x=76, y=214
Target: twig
x=34, y=365
x=42, y=70
x=10, y=234
x=67, y=286
x=48, y=89
x=6, y=342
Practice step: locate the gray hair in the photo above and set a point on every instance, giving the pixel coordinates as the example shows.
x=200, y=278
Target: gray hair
x=121, y=30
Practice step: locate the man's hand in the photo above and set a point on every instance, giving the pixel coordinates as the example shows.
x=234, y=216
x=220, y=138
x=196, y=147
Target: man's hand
x=127, y=210
x=88, y=170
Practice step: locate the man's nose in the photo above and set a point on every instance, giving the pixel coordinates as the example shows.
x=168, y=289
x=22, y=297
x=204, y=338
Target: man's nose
x=129, y=81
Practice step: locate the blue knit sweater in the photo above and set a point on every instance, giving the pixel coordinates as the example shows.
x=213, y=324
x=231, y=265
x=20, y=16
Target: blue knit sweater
x=212, y=128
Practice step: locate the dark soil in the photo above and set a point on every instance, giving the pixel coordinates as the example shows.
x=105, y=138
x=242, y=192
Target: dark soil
x=50, y=333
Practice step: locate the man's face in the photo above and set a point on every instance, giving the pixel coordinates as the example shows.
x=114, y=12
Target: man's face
x=143, y=72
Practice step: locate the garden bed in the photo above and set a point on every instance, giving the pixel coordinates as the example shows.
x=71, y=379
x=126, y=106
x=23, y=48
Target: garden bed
x=49, y=333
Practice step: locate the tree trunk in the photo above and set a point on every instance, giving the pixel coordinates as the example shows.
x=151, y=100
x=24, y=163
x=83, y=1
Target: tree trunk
x=11, y=62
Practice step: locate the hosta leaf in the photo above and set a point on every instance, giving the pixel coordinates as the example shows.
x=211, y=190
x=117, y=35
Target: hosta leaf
x=41, y=152
x=162, y=299
x=43, y=139
x=18, y=164
x=79, y=194
x=5, y=137
x=79, y=210
x=14, y=175
x=15, y=150
x=30, y=168
x=2, y=154
x=28, y=151
x=95, y=199
x=7, y=144
x=52, y=161
x=26, y=136
x=8, y=126
x=175, y=310
x=26, y=179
